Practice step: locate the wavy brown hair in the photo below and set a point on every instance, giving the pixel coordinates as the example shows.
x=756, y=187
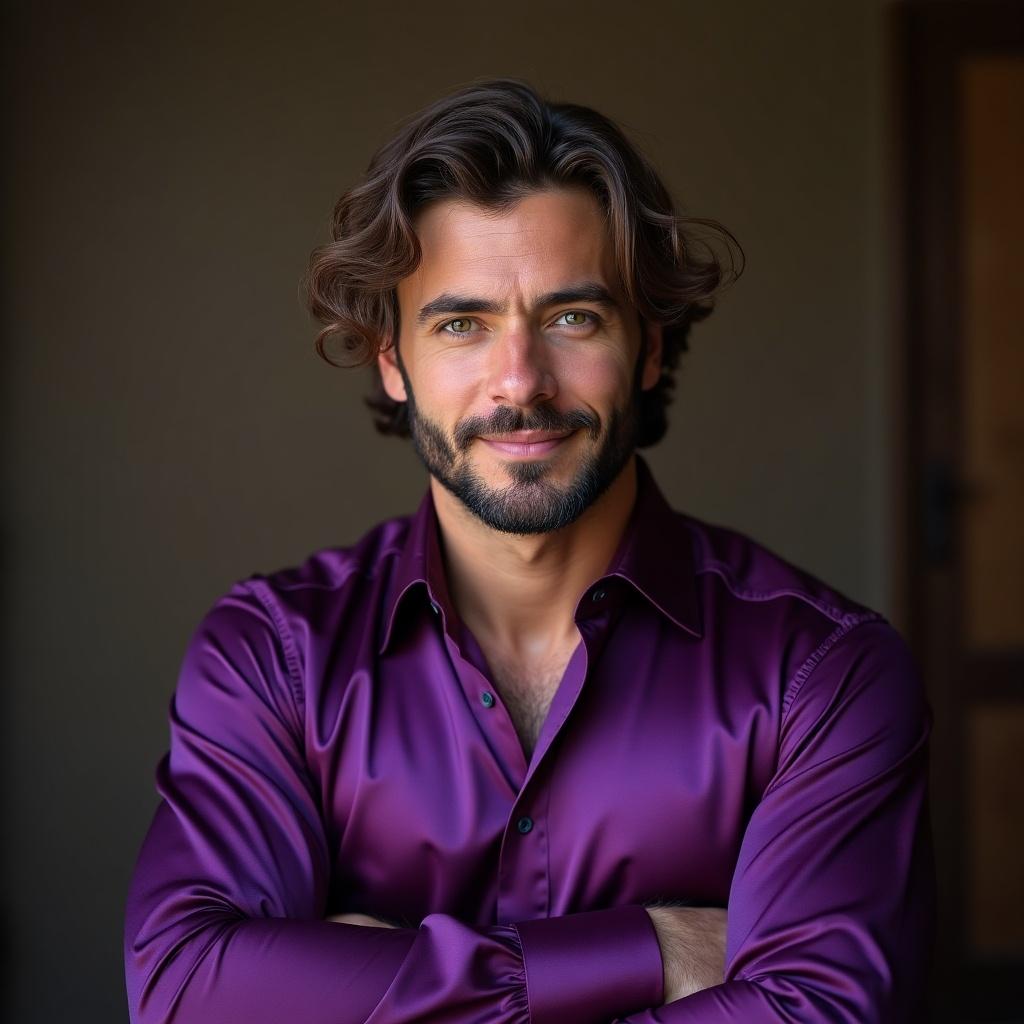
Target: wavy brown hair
x=491, y=143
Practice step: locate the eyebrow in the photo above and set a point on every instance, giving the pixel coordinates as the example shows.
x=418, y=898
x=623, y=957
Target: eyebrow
x=448, y=302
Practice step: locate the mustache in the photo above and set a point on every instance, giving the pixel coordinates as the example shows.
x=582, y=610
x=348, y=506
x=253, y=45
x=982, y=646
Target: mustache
x=506, y=419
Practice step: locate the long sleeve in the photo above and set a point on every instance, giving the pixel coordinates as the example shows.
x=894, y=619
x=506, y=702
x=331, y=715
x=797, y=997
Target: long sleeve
x=225, y=911
x=830, y=912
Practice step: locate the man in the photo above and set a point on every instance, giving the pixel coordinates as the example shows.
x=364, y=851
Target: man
x=547, y=750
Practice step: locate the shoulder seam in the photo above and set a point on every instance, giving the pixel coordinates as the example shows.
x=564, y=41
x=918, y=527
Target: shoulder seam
x=722, y=569
x=366, y=572
x=261, y=592
x=803, y=673
x=836, y=614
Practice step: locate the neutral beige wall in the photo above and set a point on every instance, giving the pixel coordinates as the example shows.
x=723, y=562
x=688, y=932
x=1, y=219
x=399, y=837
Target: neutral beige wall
x=167, y=428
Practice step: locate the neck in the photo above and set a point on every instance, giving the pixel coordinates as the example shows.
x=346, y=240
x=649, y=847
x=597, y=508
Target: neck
x=518, y=593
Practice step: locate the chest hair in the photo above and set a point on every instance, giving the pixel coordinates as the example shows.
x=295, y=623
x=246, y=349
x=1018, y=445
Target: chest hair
x=527, y=694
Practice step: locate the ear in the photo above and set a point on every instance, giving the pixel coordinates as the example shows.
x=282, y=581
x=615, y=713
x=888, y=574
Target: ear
x=650, y=373
x=390, y=375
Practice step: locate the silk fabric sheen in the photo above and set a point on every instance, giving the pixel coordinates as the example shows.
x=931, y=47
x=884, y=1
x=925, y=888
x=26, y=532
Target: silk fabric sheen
x=731, y=732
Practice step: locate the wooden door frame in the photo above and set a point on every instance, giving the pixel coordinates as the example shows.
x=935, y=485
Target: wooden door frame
x=930, y=41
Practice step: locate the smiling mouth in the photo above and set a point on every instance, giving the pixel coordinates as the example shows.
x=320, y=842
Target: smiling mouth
x=531, y=445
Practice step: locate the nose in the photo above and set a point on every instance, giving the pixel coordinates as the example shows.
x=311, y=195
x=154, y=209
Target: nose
x=519, y=369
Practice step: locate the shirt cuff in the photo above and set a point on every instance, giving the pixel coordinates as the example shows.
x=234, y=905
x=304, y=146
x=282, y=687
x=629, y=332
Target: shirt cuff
x=591, y=966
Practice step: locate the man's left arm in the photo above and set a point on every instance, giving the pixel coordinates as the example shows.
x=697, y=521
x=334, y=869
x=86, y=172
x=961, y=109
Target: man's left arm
x=830, y=913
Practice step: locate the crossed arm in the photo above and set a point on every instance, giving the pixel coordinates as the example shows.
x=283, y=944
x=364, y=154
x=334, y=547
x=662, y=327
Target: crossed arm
x=829, y=911
x=691, y=939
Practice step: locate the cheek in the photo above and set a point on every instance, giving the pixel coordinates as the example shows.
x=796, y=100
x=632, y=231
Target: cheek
x=601, y=379
x=446, y=389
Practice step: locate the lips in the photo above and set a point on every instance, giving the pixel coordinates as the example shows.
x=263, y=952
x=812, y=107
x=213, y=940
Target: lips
x=527, y=443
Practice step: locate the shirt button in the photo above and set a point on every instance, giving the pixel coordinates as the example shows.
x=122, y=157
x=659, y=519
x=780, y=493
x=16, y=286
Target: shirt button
x=597, y=595
x=487, y=699
x=524, y=824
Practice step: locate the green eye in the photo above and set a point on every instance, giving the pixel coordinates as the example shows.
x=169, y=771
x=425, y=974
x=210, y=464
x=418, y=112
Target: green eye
x=460, y=326
x=575, y=318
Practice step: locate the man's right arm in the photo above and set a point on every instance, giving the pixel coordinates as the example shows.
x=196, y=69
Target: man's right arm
x=224, y=916
x=692, y=941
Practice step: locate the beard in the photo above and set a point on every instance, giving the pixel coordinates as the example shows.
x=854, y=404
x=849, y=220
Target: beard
x=532, y=503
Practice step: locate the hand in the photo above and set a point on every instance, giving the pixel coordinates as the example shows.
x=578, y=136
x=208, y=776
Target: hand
x=363, y=919
x=692, y=948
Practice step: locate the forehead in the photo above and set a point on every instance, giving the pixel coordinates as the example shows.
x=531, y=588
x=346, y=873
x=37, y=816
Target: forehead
x=546, y=240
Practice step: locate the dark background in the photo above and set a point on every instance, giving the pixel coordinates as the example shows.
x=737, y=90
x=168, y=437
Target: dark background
x=168, y=428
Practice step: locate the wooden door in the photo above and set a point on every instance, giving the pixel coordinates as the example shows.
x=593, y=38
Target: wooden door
x=963, y=129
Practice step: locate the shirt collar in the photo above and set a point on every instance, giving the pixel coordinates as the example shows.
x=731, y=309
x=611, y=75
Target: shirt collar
x=655, y=556
x=419, y=570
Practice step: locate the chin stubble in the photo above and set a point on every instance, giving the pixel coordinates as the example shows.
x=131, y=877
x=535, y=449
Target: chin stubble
x=530, y=504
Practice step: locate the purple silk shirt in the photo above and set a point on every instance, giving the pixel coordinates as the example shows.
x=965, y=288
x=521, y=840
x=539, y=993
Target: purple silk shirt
x=730, y=732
